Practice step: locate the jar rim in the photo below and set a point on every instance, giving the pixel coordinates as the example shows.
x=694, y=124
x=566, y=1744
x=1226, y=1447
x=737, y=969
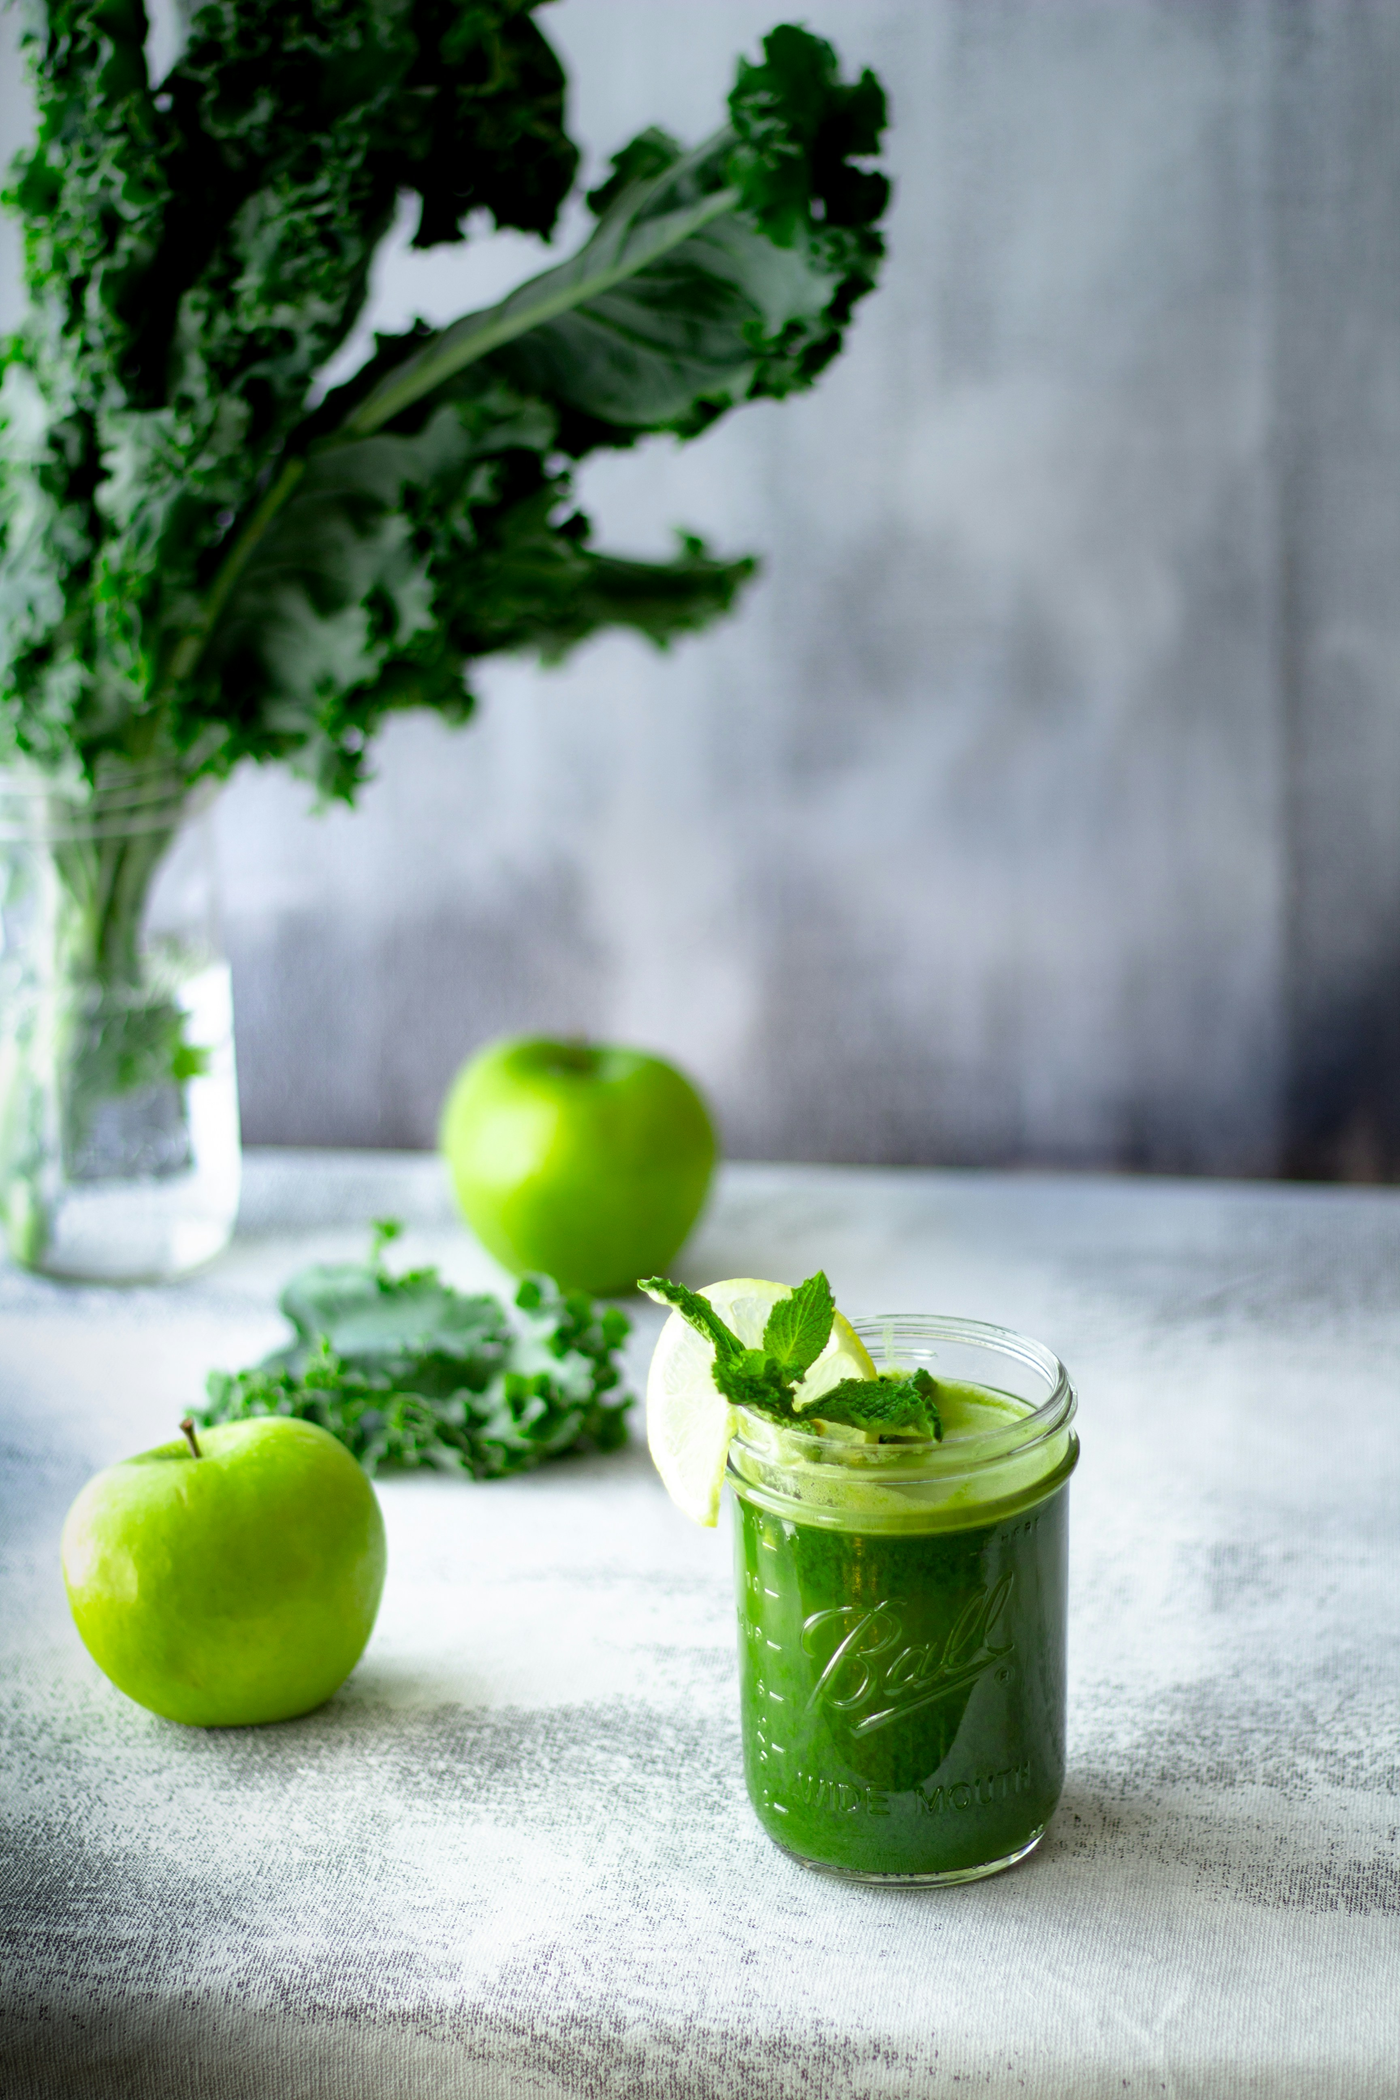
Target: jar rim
x=968, y=1452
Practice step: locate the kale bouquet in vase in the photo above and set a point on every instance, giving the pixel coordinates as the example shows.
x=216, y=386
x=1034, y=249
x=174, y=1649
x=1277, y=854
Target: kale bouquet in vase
x=207, y=558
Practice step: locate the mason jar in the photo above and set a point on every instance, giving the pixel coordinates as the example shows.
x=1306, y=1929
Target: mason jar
x=902, y=1615
x=119, y=1140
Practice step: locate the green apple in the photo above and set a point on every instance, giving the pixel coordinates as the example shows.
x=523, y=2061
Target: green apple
x=230, y=1578
x=587, y=1162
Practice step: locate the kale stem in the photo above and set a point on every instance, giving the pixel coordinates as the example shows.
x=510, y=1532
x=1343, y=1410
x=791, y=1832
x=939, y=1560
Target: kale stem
x=186, y=657
x=107, y=880
x=477, y=335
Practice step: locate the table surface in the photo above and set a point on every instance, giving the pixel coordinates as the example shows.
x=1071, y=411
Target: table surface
x=513, y=1856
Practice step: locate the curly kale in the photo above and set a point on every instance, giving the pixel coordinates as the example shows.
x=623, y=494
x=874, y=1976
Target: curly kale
x=406, y=1371
x=200, y=561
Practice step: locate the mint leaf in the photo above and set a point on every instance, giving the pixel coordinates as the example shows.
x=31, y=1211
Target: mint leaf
x=799, y=1326
x=746, y=1377
x=700, y=1313
x=755, y=1381
x=890, y=1403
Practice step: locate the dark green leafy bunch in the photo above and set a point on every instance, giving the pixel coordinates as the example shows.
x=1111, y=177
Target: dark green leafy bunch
x=202, y=561
x=406, y=1371
x=796, y=1332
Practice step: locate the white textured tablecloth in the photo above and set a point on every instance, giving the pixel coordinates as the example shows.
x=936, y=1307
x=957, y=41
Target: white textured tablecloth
x=513, y=1856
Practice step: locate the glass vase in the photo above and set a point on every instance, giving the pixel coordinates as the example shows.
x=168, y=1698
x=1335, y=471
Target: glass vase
x=119, y=1142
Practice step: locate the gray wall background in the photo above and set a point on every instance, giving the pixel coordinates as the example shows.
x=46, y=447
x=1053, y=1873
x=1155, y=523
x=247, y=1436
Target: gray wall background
x=1043, y=802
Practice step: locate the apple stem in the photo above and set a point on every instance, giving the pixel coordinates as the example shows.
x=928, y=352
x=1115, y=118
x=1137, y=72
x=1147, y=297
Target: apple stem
x=187, y=1426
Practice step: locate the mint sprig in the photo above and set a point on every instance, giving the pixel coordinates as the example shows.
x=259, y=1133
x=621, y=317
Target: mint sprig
x=763, y=1379
x=797, y=1330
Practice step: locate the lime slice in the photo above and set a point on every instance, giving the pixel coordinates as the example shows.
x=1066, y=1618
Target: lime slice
x=689, y=1421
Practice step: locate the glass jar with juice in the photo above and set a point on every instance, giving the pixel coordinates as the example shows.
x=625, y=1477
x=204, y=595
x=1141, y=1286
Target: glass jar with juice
x=902, y=1615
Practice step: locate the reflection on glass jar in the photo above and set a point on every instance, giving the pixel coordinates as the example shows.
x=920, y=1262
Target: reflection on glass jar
x=119, y=1145
x=902, y=1615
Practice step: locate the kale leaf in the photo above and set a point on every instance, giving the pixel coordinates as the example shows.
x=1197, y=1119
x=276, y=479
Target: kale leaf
x=406, y=1371
x=201, y=561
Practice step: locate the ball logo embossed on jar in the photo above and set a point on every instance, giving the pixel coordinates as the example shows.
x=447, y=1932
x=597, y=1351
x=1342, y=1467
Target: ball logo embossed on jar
x=872, y=1674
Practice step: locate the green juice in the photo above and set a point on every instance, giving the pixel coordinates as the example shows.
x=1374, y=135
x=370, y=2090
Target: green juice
x=902, y=1644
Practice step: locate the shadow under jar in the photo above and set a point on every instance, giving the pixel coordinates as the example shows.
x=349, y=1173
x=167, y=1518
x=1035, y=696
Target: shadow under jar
x=902, y=1615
